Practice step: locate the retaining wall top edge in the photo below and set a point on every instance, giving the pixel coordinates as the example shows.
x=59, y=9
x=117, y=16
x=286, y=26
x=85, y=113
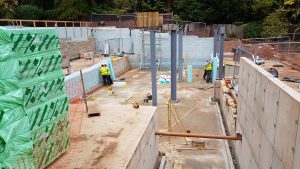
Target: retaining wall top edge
x=287, y=89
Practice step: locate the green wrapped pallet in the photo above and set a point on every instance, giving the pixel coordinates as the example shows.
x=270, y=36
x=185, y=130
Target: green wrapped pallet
x=34, y=129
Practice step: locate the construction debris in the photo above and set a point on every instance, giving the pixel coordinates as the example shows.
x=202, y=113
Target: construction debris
x=136, y=105
x=291, y=80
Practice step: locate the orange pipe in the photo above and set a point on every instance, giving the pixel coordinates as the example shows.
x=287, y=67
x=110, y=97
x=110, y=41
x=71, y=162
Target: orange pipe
x=237, y=137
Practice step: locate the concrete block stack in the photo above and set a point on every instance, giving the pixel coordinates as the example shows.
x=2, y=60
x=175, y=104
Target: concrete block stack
x=34, y=129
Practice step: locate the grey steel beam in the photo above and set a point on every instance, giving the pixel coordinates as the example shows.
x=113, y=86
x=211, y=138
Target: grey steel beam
x=153, y=68
x=222, y=35
x=215, y=41
x=173, y=65
x=180, y=54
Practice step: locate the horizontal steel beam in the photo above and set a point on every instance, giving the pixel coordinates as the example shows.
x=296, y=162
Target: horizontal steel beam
x=237, y=137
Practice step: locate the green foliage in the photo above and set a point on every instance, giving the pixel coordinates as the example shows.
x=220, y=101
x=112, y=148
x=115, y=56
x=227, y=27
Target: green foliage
x=72, y=9
x=252, y=29
x=262, y=8
x=150, y=5
x=232, y=35
x=176, y=18
x=292, y=9
x=30, y=12
x=7, y=8
x=238, y=23
x=212, y=11
x=275, y=24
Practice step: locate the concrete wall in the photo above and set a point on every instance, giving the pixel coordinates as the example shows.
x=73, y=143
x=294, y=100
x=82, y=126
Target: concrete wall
x=268, y=118
x=72, y=48
x=92, y=77
x=76, y=33
x=195, y=50
x=147, y=152
x=229, y=71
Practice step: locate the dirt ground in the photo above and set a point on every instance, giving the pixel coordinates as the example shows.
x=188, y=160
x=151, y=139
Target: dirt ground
x=285, y=71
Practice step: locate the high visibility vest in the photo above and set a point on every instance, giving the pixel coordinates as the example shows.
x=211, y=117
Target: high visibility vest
x=103, y=71
x=107, y=70
x=209, y=67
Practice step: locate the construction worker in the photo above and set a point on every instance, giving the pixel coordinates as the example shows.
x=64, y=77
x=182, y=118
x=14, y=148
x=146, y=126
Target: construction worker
x=207, y=71
x=108, y=77
x=104, y=73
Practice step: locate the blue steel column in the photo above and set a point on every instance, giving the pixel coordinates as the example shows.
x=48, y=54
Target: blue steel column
x=180, y=54
x=222, y=34
x=173, y=65
x=153, y=68
x=214, y=60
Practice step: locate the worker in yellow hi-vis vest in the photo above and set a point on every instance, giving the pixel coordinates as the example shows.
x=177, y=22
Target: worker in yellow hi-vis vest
x=108, y=77
x=104, y=74
x=207, y=71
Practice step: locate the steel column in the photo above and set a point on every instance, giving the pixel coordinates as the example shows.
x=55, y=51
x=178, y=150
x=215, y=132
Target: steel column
x=173, y=65
x=180, y=55
x=222, y=34
x=153, y=68
x=215, y=42
x=214, y=59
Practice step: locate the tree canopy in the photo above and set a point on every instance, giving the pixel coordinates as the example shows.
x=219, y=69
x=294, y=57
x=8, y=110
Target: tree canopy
x=260, y=14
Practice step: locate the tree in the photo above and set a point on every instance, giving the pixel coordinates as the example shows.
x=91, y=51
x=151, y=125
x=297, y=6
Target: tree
x=28, y=12
x=252, y=29
x=151, y=5
x=72, y=9
x=292, y=9
x=262, y=8
x=275, y=24
x=212, y=11
x=7, y=8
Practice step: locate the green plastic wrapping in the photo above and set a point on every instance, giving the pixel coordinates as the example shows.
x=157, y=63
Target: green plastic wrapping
x=34, y=129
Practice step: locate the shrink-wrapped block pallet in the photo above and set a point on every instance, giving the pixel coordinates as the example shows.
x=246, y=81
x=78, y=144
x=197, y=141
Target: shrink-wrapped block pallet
x=34, y=129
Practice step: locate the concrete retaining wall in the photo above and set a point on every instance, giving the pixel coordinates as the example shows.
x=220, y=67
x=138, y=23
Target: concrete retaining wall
x=121, y=66
x=195, y=51
x=268, y=118
x=92, y=77
x=147, y=152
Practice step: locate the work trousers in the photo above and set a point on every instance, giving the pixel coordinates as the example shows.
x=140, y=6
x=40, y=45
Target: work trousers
x=107, y=80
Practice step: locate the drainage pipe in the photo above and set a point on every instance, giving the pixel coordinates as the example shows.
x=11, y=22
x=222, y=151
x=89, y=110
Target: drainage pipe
x=237, y=137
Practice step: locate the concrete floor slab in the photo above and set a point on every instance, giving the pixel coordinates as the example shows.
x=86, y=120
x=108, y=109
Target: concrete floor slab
x=113, y=140
x=202, y=120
